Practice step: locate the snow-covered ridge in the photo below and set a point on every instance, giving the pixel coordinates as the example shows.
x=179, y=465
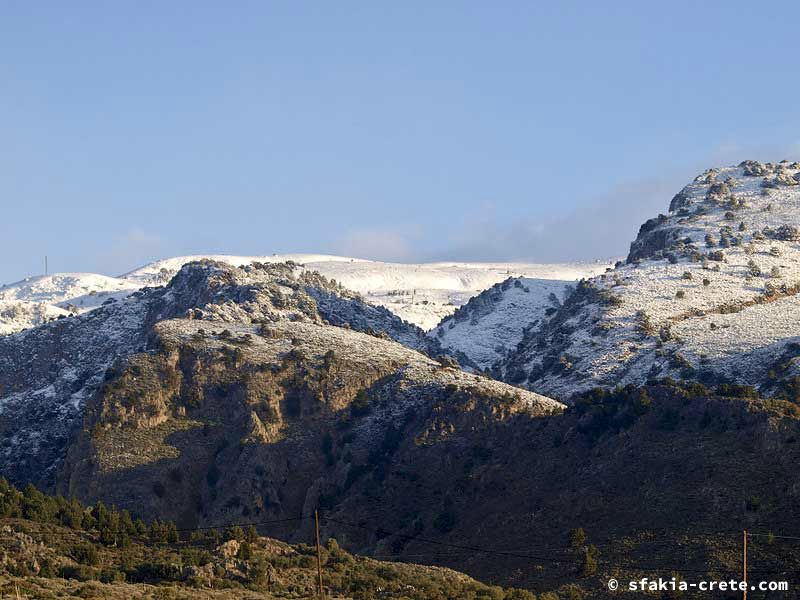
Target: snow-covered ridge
x=422, y=294
x=492, y=323
x=709, y=292
x=36, y=300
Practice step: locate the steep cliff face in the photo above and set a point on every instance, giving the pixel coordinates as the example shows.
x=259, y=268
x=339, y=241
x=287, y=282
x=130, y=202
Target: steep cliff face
x=224, y=394
x=235, y=412
x=221, y=424
x=48, y=373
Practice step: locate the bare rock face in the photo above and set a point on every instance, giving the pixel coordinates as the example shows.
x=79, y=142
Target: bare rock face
x=48, y=374
x=653, y=240
x=218, y=426
x=229, y=549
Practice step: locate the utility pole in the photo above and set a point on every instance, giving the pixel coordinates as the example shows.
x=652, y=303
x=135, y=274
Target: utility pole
x=744, y=563
x=45, y=264
x=319, y=556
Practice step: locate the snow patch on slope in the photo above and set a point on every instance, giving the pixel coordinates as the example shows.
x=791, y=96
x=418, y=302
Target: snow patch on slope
x=492, y=323
x=36, y=300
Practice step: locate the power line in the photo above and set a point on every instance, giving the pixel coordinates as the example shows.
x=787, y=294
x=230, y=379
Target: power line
x=457, y=550
x=772, y=535
x=447, y=545
x=242, y=524
x=618, y=566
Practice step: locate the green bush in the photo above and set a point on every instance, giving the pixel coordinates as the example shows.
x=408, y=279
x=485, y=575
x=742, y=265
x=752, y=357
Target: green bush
x=86, y=554
x=234, y=533
x=245, y=551
x=78, y=572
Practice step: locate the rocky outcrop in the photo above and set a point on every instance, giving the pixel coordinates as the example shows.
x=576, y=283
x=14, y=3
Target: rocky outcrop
x=653, y=240
x=707, y=293
x=234, y=414
x=48, y=373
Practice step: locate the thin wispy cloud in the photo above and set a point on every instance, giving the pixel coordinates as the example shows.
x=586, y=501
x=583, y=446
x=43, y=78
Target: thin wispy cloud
x=598, y=228
x=132, y=248
x=376, y=244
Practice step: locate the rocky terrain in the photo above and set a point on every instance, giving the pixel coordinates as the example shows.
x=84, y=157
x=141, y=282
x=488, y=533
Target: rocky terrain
x=708, y=292
x=48, y=373
x=488, y=327
x=263, y=393
x=228, y=393
x=421, y=294
x=50, y=547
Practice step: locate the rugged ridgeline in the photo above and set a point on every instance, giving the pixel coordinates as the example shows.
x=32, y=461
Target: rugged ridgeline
x=228, y=396
x=422, y=294
x=48, y=373
x=229, y=393
x=708, y=292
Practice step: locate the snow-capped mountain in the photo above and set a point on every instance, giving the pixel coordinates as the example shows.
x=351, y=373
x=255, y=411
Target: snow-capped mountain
x=256, y=394
x=273, y=313
x=254, y=390
x=421, y=294
x=708, y=292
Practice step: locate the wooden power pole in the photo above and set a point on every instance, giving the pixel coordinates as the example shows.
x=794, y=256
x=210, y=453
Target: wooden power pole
x=744, y=563
x=319, y=556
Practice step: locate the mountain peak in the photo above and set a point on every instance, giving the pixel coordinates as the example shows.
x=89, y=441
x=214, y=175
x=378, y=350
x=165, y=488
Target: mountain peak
x=708, y=292
x=722, y=202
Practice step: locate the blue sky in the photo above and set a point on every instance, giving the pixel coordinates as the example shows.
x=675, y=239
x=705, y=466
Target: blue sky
x=401, y=131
